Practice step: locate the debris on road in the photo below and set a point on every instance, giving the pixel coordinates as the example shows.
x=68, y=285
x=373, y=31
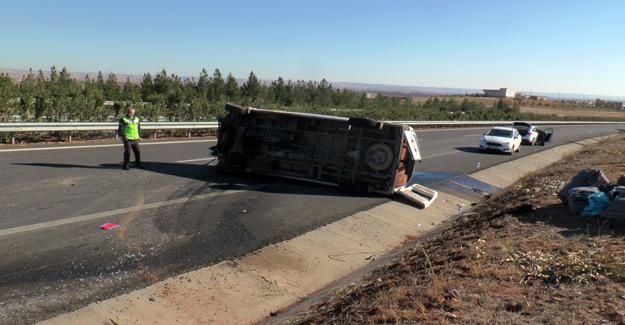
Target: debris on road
x=597, y=202
x=616, y=210
x=585, y=178
x=616, y=191
x=419, y=194
x=590, y=194
x=109, y=226
x=577, y=198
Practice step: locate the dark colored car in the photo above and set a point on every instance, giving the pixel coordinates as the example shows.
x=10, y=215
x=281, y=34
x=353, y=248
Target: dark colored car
x=532, y=135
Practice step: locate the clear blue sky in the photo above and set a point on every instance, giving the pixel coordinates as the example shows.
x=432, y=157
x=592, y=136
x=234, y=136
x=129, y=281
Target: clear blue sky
x=553, y=46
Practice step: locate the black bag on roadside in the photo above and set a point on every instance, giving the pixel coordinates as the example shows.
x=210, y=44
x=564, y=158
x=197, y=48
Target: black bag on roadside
x=615, y=191
x=577, y=198
x=616, y=210
x=585, y=178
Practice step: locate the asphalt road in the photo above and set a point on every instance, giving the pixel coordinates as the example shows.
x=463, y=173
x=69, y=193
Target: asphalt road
x=176, y=215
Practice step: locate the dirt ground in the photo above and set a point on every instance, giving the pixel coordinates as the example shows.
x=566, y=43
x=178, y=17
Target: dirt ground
x=561, y=110
x=483, y=100
x=519, y=257
x=570, y=112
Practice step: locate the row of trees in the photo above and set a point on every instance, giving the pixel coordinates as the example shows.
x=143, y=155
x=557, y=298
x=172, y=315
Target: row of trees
x=59, y=97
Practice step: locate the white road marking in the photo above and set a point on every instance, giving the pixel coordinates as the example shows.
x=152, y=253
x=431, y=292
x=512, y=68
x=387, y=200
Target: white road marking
x=471, y=135
x=441, y=154
x=100, y=215
x=198, y=159
x=102, y=146
x=449, y=129
x=181, y=142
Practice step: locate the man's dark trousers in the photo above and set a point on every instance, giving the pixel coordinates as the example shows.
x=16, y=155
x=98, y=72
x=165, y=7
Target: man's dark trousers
x=134, y=144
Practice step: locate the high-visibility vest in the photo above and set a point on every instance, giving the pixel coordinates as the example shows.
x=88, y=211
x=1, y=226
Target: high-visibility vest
x=131, y=127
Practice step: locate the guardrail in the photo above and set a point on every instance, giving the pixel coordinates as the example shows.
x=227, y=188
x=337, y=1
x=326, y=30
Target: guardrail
x=101, y=126
x=14, y=128
x=481, y=123
x=112, y=126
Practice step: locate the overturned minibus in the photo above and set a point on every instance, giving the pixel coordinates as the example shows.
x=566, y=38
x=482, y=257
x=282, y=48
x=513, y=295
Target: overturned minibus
x=352, y=153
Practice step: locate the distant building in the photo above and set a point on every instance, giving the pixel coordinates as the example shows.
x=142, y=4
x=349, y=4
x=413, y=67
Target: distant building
x=538, y=98
x=372, y=95
x=499, y=93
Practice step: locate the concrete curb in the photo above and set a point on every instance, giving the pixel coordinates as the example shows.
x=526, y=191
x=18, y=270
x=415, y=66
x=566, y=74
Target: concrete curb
x=250, y=288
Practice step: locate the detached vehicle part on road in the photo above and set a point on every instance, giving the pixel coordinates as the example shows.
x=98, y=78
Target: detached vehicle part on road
x=507, y=140
x=532, y=135
x=352, y=153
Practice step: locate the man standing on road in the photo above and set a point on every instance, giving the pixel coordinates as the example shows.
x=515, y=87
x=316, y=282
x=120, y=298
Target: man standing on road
x=128, y=130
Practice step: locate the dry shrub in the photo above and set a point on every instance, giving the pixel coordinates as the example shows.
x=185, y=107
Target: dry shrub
x=582, y=266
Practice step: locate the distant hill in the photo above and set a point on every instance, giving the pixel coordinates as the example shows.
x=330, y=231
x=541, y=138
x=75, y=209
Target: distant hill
x=566, y=96
x=18, y=74
x=404, y=90
x=389, y=90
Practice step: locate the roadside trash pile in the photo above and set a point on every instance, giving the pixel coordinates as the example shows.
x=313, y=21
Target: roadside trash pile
x=590, y=194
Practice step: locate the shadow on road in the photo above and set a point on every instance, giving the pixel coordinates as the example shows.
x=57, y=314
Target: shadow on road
x=477, y=150
x=105, y=166
x=208, y=173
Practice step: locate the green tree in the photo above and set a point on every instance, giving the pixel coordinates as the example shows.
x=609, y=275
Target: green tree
x=67, y=92
x=203, y=84
x=217, y=86
x=100, y=81
x=289, y=94
x=8, y=98
x=53, y=74
x=27, y=91
x=41, y=97
x=162, y=88
x=251, y=89
x=278, y=90
x=232, y=88
x=324, y=93
x=147, y=87
x=93, y=106
x=131, y=92
x=111, y=88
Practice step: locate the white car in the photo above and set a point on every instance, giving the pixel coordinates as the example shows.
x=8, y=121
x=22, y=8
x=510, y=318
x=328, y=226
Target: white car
x=528, y=132
x=507, y=140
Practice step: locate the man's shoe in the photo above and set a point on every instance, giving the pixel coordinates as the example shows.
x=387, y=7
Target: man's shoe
x=125, y=167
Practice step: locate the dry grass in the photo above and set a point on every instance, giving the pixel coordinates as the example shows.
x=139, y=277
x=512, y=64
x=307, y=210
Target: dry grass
x=561, y=112
x=488, y=101
x=556, y=109
x=543, y=265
